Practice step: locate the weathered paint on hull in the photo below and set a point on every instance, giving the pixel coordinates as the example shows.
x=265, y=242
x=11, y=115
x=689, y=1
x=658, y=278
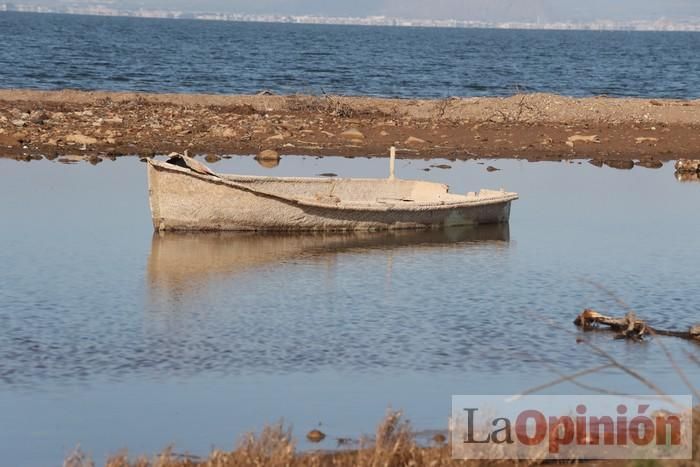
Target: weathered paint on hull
x=184, y=202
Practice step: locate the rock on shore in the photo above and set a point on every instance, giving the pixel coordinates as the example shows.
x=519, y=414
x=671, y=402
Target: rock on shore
x=533, y=126
x=688, y=166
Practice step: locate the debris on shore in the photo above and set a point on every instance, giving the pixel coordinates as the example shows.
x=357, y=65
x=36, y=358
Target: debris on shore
x=688, y=170
x=630, y=327
x=688, y=166
x=527, y=126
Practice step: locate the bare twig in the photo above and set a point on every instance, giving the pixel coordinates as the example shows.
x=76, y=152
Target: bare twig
x=563, y=379
x=612, y=360
x=679, y=370
x=573, y=379
x=441, y=108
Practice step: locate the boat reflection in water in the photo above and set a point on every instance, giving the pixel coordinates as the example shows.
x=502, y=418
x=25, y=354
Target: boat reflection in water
x=186, y=261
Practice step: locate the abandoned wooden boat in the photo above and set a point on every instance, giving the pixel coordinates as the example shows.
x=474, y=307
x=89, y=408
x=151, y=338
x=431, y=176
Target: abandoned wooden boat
x=185, y=195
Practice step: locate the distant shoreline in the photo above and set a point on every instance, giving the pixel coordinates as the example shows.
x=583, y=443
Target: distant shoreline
x=528, y=126
x=657, y=25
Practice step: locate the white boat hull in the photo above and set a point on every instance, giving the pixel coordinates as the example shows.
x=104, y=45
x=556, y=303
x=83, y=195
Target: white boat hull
x=182, y=199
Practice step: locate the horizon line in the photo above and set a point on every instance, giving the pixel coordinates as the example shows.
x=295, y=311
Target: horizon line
x=640, y=25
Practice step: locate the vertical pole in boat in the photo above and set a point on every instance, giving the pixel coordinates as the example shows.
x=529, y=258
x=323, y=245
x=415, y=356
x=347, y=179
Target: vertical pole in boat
x=392, y=161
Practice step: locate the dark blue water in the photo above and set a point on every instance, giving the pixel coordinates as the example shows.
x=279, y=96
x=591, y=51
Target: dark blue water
x=81, y=52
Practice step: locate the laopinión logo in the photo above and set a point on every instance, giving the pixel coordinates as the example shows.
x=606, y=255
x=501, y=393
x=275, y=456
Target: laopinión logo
x=571, y=427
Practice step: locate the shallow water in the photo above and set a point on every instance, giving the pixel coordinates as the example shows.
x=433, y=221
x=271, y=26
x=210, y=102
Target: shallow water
x=112, y=337
x=83, y=52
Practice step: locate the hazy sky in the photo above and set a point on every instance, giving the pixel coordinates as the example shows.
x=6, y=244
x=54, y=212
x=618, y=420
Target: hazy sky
x=494, y=10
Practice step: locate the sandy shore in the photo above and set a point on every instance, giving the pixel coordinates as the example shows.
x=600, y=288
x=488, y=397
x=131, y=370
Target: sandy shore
x=532, y=126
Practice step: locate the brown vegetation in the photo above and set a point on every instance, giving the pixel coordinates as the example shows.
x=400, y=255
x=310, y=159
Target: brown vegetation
x=394, y=446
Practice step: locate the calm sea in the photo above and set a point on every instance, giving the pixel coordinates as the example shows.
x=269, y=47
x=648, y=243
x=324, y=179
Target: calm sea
x=111, y=337
x=82, y=52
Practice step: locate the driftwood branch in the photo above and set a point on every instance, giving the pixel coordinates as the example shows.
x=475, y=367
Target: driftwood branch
x=630, y=327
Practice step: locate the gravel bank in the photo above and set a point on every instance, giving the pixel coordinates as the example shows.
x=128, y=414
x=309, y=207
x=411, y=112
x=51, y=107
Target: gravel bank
x=533, y=126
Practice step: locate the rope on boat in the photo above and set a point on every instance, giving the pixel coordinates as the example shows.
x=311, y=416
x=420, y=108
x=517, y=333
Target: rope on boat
x=183, y=160
x=186, y=162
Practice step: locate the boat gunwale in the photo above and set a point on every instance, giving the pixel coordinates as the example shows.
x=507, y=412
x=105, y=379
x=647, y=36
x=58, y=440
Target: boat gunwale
x=413, y=206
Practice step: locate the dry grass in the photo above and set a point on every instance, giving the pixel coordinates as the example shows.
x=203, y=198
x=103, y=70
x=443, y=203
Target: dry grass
x=326, y=105
x=394, y=445
x=335, y=106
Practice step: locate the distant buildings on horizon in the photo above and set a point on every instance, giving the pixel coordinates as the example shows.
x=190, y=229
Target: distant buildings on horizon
x=692, y=24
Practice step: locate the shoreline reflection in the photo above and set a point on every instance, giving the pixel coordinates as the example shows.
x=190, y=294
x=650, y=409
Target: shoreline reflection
x=688, y=177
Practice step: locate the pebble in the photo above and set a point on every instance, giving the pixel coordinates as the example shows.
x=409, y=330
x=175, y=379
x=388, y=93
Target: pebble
x=441, y=166
x=645, y=139
x=212, y=158
x=491, y=168
x=115, y=120
x=39, y=118
x=413, y=140
x=79, y=138
x=315, y=436
x=268, y=163
x=70, y=159
x=650, y=163
x=582, y=139
x=619, y=164
x=688, y=166
x=328, y=174
x=352, y=133
x=268, y=154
